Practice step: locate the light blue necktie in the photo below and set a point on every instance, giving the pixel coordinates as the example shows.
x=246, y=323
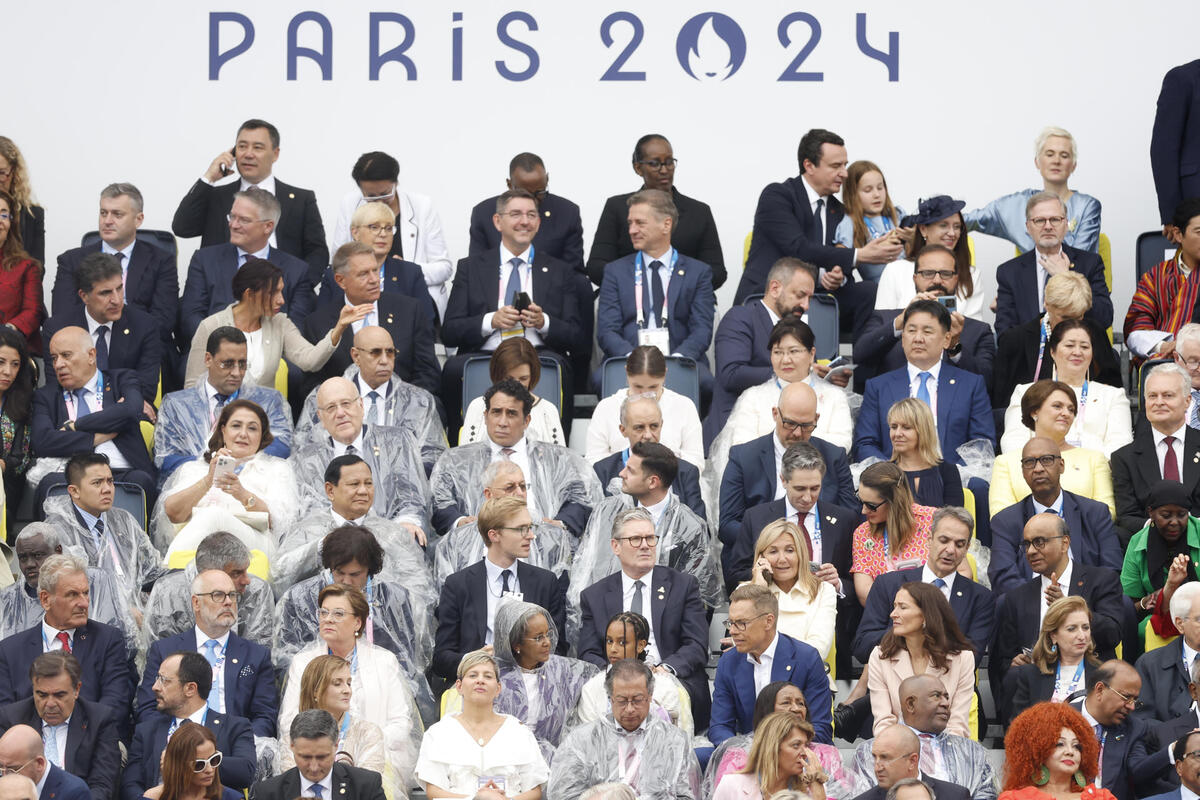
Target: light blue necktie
x=214, y=696
x=373, y=407
x=52, y=746
x=318, y=791
x=514, y=282
x=923, y=389
x=938, y=582
x=175, y=723
x=81, y=407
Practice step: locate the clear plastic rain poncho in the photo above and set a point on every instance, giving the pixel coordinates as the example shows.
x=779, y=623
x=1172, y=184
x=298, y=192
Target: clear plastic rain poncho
x=263, y=475
x=169, y=609
x=964, y=762
x=407, y=407
x=731, y=754
x=671, y=702
x=555, y=476
x=21, y=611
x=185, y=425
x=398, y=622
x=665, y=769
x=401, y=489
x=543, y=698
x=462, y=547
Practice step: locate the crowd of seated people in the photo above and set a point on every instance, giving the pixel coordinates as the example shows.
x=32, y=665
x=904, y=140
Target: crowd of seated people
x=286, y=542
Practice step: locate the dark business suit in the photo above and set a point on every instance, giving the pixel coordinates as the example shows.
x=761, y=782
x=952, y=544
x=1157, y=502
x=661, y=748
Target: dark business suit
x=1163, y=736
x=686, y=485
x=1027, y=685
x=733, y=689
x=151, y=283
x=878, y=350
x=743, y=360
x=1165, y=682
x=92, y=752
x=1017, y=292
x=134, y=343
x=235, y=740
x=209, y=286
x=1093, y=539
x=462, y=611
x=299, y=231
x=1175, y=140
x=752, y=475
x=62, y=785
x=399, y=277
x=694, y=235
x=560, y=233
x=837, y=531
x=1135, y=471
x=676, y=617
x=349, y=783
x=1017, y=354
x=943, y=790
x=412, y=336
x=1128, y=768
x=963, y=412
x=248, y=679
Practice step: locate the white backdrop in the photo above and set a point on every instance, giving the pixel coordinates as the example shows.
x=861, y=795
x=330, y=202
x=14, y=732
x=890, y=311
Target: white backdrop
x=101, y=92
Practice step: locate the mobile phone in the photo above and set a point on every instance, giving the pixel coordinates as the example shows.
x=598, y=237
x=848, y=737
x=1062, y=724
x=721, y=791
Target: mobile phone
x=767, y=576
x=837, y=362
x=813, y=567
x=1027, y=651
x=226, y=171
x=225, y=465
x=949, y=301
x=522, y=301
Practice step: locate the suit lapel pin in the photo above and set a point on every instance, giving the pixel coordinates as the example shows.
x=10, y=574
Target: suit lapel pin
x=546, y=213
x=126, y=331
x=952, y=381
x=789, y=668
x=291, y=195
x=959, y=593
x=412, y=235
x=394, y=278
x=869, y=544
x=680, y=272
x=546, y=269
x=832, y=520
x=235, y=660
x=390, y=318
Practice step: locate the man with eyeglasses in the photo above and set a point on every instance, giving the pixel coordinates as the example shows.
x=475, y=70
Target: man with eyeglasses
x=181, y=687
x=896, y=756
x=1167, y=671
x=187, y=417
x=1021, y=281
x=22, y=753
x=629, y=745
x=203, y=211
x=1094, y=538
x=753, y=475
x=466, y=610
x=1172, y=742
x=1187, y=355
x=668, y=597
x=243, y=682
x=209, y=285
x=1184, y=757
x=695, y=235
x=879, y=348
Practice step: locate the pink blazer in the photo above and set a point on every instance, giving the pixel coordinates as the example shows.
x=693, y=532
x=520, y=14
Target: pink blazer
x=736, y=786
x=885, y=675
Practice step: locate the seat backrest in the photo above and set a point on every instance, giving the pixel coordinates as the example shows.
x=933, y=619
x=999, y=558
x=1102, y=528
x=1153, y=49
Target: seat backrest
x=477, y=379
x=823, y=319
x=751, y=298
x=612, y=376
x=683, y=377
x=127, y=496
x=550, y=384
x=1104, y=249
x=163, y=240
x=1152, y=248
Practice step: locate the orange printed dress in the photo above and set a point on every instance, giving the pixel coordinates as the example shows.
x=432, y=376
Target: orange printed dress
x=869, y=555
x=1090, y=792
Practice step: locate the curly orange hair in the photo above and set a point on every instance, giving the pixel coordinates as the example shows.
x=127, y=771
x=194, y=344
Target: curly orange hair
x=1032, y=737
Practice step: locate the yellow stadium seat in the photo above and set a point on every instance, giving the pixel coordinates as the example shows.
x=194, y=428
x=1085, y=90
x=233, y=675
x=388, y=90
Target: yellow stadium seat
x=831, y=660
x=973, y=714
x=971, y=248
x=281, y=378
x=1104, y=248
x=258, y=562
x=1154, y=641
x=451, y=702
x=148, y=436
x=746, y=248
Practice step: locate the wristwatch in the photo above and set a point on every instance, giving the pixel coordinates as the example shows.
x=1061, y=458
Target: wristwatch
x=250, y=501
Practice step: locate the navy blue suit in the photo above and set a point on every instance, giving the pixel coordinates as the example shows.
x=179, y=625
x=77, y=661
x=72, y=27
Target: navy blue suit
x=560, y=233
x=151, y=283
x=249, y=680
x=733, y=690
x=1175, y=141
x=235, y=740
x=686, y=485
x=349, y=783
x=209, y=286
x=878, y=350
x=837, y=531
x=1165, y=682
x=752, y=475
x=963, y=412
x=462, y=611
x=1093, y=539
x=942, y=790
x=108, y=676
x=62, y=785
x=134, y=343
x=399, y=277
x=971, y=603
x=1017, y=292
x=676, y=617
x=93, y=751
x=743, y=360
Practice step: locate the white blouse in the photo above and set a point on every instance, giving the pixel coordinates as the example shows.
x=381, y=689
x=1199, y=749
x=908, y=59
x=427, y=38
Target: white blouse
x=452, y=760
x=896, y=290
x=545, y=423
x=808, y=621
x=1103, y=422
x=681, y=429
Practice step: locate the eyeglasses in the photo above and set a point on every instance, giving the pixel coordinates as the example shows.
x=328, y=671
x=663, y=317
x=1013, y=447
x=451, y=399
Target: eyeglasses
x=790, y=425
x=230, y=363
x=163, y=679
x=1045, y=461
x=1195, y=754
x=794, y=352
x=884, y=760
x=240, y=220
x=344, y=405
x=1039, y=543
x=517, y=216
x=1126, y=699
x=213, y=761
x=335, y=614
x=217, y=596
x=377, y=229
x=524, y=530
x=1041, y=222
x=630, y=702
x=5, y=216
x=638, y=541
x=7, y=770
x=1192, y=364
x=380, y=352
x=541, y=638
x=654, y=163
x=873, y=506
x=742, y=624
x=930, y=274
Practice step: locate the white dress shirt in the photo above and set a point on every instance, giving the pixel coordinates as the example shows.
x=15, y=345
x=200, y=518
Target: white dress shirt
x=520, y=457
x=212, y=402
x=927, y=576
x=339, y=449
x=94, y=325
x=216, y=696
x=50, y=637
x=534, y=335
x=931, y=385
x=244, y=255
x=657, y=510
x=495, y=590
x=1054, y=508
x=780, y=491
x=763, y=664
x=653, y=657
x=364, y=389
x=1160, y=447
x=823, y=218
x=369, y=319
x=89, y=522
x=325, y=783
x=1064, y=583
x=126, y=254
x=95, y=402
x=339, y=520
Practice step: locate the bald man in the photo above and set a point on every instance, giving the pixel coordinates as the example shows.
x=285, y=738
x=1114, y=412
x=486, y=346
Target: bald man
x=90, y=411
x=17, y=787
x=752, y=476
x=896, y=755
x=22, y=753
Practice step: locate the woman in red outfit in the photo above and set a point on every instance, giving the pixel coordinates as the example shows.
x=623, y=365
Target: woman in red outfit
x=1051, y=754
x=21, y=305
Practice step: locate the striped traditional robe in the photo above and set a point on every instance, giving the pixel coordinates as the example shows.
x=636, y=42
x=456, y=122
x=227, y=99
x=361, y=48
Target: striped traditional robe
x=1163, y=300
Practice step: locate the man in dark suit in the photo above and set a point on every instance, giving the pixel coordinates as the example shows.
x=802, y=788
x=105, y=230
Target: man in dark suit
x=314, y=738
x=1093, y=535
x=896, y=754
x=149, y=274
x=469, y=598
x=678, y=641
x=396, y=276
x=124, y=336
x=202, y=212
x=209, y=284
x=641, y=421
x=752, y=475
x=695, y=234
x=798, y=218
x=246, y=687
x=1021, y=281
x=106, y=673
x=1184, y=767
x=879, y=348
x=971, y=602
x=1175, y=140
x=1167, y=671
x=22, y=753
x=742, y=342
x=80, y=736
x=404, y=318
x=181, y=688
x=90, y=410
x=959, y=398
x=1140, y=465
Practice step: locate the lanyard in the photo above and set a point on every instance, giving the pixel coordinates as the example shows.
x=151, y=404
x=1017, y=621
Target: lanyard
x=815, y=536
x=637, y=288
x=1041, y=352
x=345, y=727
x=503, y=283
x=1061, y=690
x=625, y=456
x=1078, y=424
x=46, y=642
x=69, y=398
x=353, y=660
x=369, y=631
x=875, y=234
x=212, y=414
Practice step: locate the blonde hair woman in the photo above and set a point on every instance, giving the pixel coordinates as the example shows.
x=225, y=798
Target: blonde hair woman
x=779, y=759
x=374, y=224
x=915, y=449
x=807, y=605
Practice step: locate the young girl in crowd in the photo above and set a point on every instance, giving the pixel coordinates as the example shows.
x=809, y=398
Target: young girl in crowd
x=870, y=212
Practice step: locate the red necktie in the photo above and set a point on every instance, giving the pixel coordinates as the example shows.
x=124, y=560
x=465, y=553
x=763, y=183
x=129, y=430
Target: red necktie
x=804, y=530
x=66, y=641
x=1170, y=464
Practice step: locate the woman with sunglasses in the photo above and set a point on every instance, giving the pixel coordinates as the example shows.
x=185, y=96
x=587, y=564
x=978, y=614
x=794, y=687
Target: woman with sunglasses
x=190, y=767
x=896, y=532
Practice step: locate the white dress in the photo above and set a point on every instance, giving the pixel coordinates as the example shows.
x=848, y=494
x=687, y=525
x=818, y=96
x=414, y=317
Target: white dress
x=1103, y=422
x=545, y=423
x=454, y=761
x=681, y=430
x=896, y=290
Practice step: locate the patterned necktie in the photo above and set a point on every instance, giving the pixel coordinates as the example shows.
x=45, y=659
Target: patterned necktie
x=1170, y=463
x=931, y=761
x=923, y=389
x=507, y=453
x=318, y=791
x=635, y=605
x=938, y=582
x=373, y=406
x=175, y=723
x=514, y=282
x=210, y=653
x=64, y=638
x=52, y=746
x=351, y=450
x=1194, y=417
x=102, y=348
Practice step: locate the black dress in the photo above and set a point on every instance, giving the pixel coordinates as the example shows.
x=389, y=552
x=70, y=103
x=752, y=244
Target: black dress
x=936, y=486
